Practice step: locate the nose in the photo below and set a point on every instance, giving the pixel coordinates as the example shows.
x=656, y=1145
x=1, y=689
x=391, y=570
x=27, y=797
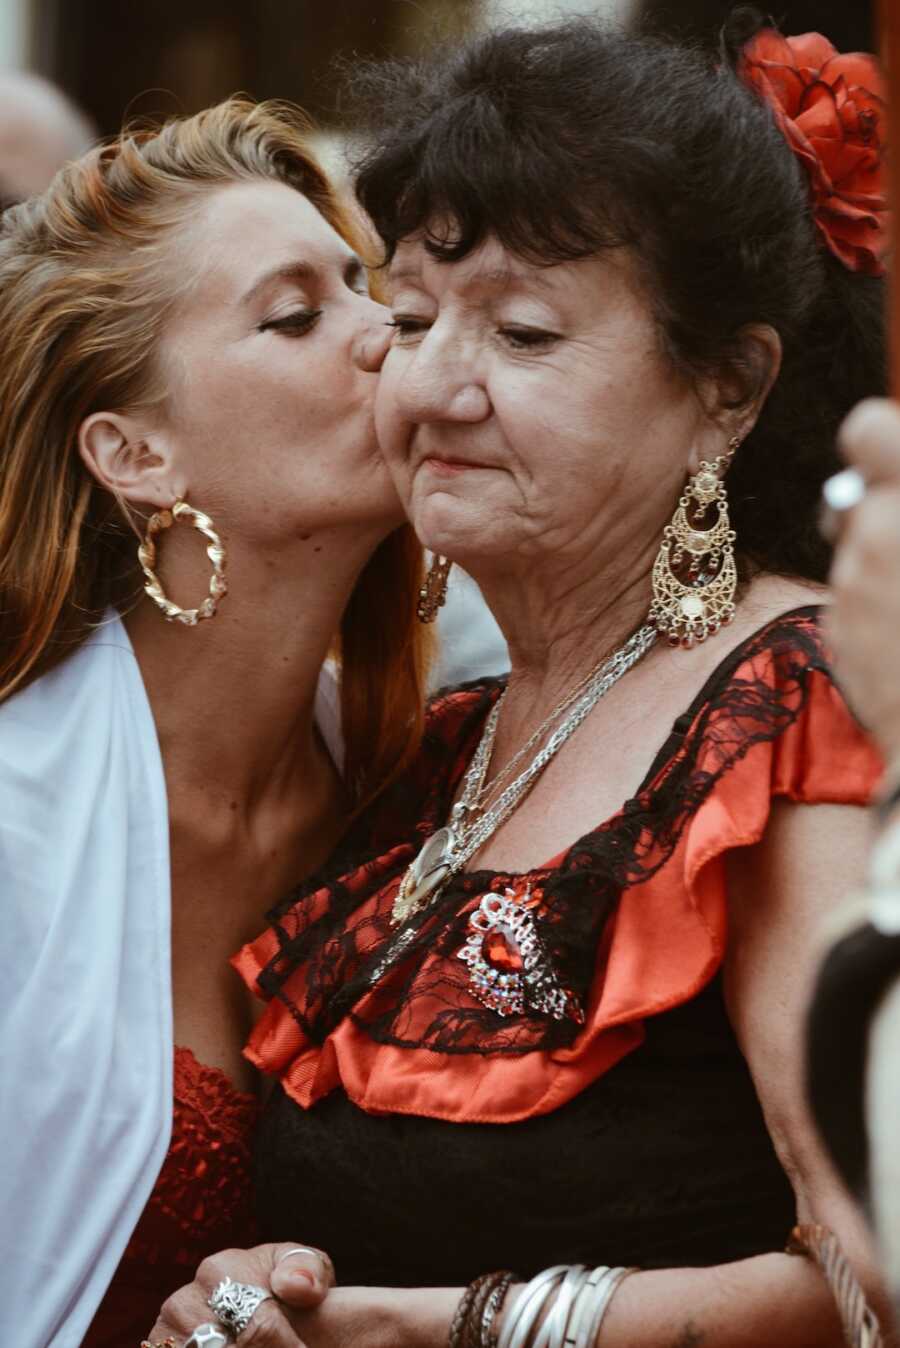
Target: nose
x=373, y=338
x=440, y=381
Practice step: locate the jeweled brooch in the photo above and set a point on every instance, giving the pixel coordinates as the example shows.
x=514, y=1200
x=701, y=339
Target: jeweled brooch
x=509, y=971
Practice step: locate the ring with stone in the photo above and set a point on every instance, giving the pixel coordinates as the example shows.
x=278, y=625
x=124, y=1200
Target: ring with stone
x=207, y=1336
x=235, y=1303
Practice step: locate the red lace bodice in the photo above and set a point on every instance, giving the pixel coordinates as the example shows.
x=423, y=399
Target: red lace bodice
x=202, y=1202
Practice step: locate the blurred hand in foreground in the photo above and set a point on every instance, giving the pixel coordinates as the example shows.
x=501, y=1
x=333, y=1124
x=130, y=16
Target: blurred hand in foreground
x=864, y=623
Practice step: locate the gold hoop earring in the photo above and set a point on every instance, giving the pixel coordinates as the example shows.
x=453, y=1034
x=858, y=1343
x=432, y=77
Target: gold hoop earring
x=218, y=585
x=433, y=594
x=694, y=575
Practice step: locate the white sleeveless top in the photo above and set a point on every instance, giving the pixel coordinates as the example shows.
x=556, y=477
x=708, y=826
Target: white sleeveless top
x=85, y=986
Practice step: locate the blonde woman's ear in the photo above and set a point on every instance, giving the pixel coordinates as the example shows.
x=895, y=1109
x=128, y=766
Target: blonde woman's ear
x=130, y=463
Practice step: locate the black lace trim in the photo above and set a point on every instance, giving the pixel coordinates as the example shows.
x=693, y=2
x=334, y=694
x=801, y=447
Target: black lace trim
x=351, y=949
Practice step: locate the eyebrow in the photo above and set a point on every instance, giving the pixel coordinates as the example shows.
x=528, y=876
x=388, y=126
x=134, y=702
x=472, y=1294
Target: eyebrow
x=488, y=276
x=301, y=272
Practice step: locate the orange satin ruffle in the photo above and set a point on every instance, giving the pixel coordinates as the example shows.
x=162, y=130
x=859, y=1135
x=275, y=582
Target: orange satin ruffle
x=662, y=945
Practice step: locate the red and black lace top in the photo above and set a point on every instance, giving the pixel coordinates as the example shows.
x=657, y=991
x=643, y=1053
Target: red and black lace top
x=631, y=1132
x=201, y=1203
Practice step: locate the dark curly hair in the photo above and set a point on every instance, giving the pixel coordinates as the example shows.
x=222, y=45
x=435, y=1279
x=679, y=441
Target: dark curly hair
x=568, y=139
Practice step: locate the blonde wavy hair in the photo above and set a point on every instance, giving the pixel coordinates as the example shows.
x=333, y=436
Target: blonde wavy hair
x=88, y=275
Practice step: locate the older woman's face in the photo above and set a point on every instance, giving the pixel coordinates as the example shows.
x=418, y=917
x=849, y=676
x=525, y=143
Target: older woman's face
x=530, y=413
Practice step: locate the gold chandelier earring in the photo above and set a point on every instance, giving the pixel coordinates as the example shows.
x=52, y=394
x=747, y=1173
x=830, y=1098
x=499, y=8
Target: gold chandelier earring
x=218, y=585
x=694, y=575
x=433, y=594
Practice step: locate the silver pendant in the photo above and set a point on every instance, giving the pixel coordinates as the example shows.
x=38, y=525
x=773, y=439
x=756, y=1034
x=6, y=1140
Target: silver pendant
x=430, y=868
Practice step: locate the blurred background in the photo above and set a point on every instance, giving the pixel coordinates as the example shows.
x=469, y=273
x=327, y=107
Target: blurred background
x=113, y=57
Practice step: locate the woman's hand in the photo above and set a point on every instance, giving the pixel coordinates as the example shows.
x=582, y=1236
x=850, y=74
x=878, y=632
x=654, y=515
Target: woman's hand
x=865, y=619
x=311, y=1315
x=379, y=1317
x=299, y=1276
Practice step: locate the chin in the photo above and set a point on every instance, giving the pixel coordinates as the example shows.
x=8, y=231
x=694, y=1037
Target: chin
x=451, y=525
x=473, y=549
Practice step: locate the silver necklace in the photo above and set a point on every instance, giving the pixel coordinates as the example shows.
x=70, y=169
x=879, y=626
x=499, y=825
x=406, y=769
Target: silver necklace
x=448, y=850
x=484, y=789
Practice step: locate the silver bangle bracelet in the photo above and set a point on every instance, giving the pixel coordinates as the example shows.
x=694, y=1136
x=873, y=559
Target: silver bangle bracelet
x=583, y=1310
x=581, y=1300
x=524, y=1314
x=605, y=1292
x=511, y=1317
x=552, y=1332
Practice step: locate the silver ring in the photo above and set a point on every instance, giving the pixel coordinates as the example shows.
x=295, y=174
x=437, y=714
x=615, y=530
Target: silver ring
x=235, y=1303
x=322, y=1257
x=844, y=490
x=207, y=1336
x=840, y=493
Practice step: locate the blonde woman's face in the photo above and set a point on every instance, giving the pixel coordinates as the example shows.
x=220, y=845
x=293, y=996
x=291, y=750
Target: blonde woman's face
x=270, y=360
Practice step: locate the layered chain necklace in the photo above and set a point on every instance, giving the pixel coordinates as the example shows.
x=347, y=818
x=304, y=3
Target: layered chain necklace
x=473, y=819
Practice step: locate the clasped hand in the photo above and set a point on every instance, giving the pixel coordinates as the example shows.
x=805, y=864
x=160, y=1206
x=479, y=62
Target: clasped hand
x=306, y=1309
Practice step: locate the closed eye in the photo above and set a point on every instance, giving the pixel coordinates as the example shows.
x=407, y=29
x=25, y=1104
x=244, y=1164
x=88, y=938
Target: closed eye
x=405, y=326
x=294, y=324
x=524, y=339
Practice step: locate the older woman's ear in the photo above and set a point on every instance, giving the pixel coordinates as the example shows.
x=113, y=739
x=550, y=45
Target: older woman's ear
x=733, y=396
x=749, y=376
x=130, y=463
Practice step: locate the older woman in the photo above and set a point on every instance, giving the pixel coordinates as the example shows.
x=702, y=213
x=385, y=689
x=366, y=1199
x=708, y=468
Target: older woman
x=558, y=1022
x=163, y=783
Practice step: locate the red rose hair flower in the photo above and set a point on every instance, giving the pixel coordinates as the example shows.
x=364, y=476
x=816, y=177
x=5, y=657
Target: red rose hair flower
x=832, y=110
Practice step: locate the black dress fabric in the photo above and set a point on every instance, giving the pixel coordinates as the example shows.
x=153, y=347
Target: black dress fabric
x=664, y=1161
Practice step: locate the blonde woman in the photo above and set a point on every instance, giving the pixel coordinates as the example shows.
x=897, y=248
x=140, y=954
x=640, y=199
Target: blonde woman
x=186, y=339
